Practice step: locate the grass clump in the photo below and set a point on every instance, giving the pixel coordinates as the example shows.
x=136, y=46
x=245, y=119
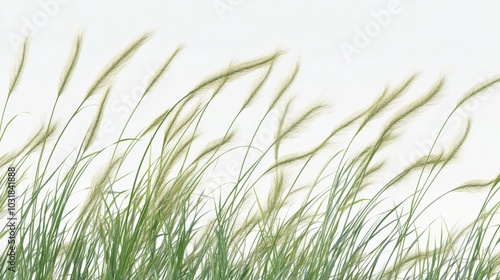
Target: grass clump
x=155, y=218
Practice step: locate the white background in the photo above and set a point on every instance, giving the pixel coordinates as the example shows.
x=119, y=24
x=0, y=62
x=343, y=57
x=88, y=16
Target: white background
x=458, y=39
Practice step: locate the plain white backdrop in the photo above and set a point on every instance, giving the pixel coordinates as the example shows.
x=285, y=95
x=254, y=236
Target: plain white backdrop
x=348, y=50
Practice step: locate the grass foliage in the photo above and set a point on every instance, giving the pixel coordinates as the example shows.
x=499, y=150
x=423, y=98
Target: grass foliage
x=267, y=223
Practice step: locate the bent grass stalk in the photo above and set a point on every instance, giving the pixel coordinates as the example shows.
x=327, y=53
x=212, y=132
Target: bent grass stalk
x=270, y=222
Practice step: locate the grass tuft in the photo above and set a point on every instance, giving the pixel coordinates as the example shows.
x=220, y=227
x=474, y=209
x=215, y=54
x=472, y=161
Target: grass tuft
x=158, y=209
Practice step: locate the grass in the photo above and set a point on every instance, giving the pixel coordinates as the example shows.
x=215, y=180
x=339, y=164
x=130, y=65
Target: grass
x=270, y=222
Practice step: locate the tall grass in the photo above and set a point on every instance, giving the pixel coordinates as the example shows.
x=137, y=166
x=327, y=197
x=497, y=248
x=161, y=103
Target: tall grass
x=271, y=222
